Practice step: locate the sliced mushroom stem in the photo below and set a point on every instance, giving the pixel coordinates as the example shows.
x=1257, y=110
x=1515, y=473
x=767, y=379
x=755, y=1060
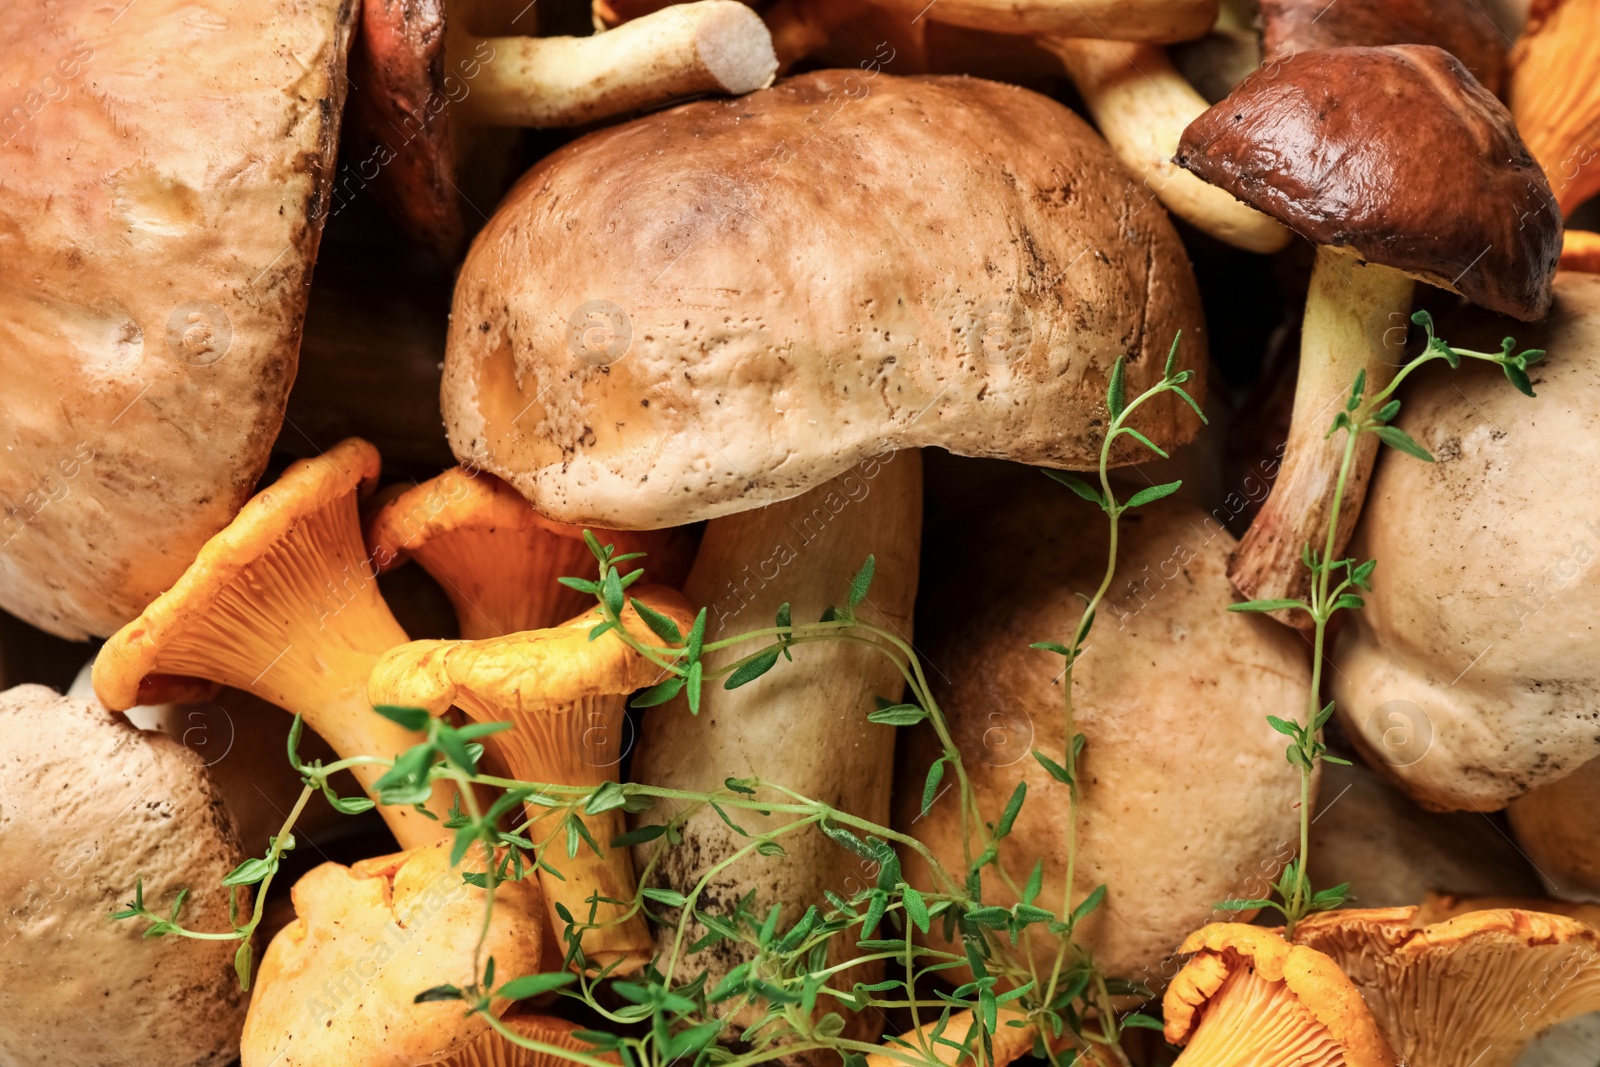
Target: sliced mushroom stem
x=803, y=724
x=719, y=46
x=1141, y=105
x=1356, y=320
x=1161, y=21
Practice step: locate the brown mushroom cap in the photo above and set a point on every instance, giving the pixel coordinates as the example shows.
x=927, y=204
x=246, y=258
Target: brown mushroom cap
x=88, y=807
x=841, y=265
x=166, y=173
x=1248, y=996
x=1468, y=992
x=1450, y=196
x=338, y=984
x=1461, y=27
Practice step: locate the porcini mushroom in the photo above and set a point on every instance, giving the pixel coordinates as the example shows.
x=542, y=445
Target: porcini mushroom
x=498, y=559
x=422, y=76
x=1247, y=996
x=1172, y=699
x=339, y=983
x=566, y=697
x=1559, y=827
x=1312, y=141
x=92, y=808
x=283, y=604
x=161, y=221
x=1465, y=678
x=1554, y=98
x=1473, y=990
x=756, y=360
x=1461, y=27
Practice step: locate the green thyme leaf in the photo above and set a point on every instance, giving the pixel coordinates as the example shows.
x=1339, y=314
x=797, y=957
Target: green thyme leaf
x=1395, y=437
x=410, y=718
x=1117, y=388
x=532, y=985
x=751, y=669
x=1077, y=485
x=862, y=582
x=660, y=625
x=1151, y=493
x=898, y=715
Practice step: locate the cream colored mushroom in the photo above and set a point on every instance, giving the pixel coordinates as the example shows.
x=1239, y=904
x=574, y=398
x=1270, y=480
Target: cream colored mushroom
x=1186, y=799
x=90, y=807
x=1467, y=678
x=167, y=169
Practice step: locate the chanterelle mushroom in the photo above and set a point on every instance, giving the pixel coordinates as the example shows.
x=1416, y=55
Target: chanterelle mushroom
x=283, y=604
x=1247, y=996
x=566, y=696
x=167, y=168
x=1313, y=141
x=1466, y=678
x=1468, y=992
x=90, y=806
x=1172, y=698
x=497, y=558
x=338, y=984
x=1555, y=97
x=422, y=77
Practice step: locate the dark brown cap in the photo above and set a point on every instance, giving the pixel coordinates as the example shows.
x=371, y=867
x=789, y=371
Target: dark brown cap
x=1460, y=27
x=1397, y=154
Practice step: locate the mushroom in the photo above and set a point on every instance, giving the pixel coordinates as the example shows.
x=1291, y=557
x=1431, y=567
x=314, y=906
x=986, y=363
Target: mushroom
x=339, y=983
x=497, y=558
x=1247, y=996
x=1369, y=835
x=1172, y=697
x=424, y=79
x=492, y=1050
x=283, y=604
x=566, y=697
x=698, y=339
x=1472, y=990
x=1554, y=98
x=1312, y=141
x=161, y=219
x=1465, y=678
x=1556, y=824
x=1441, y=907
x=1461, y=27
x=90, y=807
x=1580, y=251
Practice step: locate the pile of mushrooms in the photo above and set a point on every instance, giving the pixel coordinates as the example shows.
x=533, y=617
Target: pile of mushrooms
x=785, y=303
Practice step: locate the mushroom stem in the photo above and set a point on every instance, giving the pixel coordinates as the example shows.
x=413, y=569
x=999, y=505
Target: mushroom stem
x=804, y=724
x=1161, y=21
x=1141, y=105
x=708, y=46
x=801, y=27
x=1355, y=320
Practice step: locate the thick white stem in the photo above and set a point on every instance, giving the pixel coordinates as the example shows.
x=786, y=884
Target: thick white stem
x=1141, y=104
x=1356, y=319
x=712, y=46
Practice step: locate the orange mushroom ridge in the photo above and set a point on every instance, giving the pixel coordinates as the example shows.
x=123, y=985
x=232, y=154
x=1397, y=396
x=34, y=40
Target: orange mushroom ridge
x=566, y=697
x=1471, y=991
x=1247, y=996
x=282, y=604
x=498, y=560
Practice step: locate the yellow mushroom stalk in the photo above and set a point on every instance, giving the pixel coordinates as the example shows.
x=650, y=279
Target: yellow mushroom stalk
x=283, y=604
x=1471, y=991
x=497, y=559
x=1247, y=996
x=1141, y=105
x=566, y=698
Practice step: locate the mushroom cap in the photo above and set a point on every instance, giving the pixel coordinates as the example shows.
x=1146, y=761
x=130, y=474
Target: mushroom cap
x=89, y=806
x=645, y=336
x=306, y=488
x=498, y=559
x=1439, y=907
x=1471, y=990
x=164, y=194
x=1451, y=196
x=1173, y=699
x=1287, y=986
x=1391, y=851
x=337, y=984
x=1557, y=825
x=1469, y=678
x=523, y=672
x=1460, y=27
